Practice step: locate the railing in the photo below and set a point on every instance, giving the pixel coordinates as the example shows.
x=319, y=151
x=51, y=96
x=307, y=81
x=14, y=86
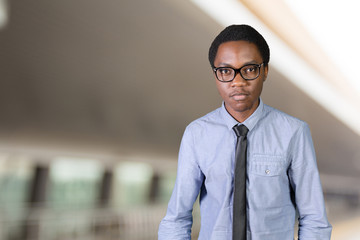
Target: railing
x=79, y=224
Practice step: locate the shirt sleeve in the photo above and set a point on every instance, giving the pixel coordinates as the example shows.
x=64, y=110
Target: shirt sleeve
x=177, y=223
x=305, y=181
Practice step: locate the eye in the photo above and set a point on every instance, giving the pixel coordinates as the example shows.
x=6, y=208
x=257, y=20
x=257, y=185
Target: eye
x=225, y=71
x=250, y=69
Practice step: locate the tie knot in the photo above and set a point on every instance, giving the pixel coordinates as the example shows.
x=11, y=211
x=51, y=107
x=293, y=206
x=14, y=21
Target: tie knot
x=240, y=130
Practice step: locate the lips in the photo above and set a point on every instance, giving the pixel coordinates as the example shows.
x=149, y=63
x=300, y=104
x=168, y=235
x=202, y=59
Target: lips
x=238, y=96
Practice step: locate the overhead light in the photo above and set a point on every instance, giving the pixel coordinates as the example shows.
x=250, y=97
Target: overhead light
x=3, y=13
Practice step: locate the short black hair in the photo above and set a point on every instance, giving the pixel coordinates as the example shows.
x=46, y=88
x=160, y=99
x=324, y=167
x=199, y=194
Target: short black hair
x=240, y=33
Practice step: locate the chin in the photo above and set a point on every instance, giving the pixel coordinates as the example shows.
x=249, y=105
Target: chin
x=241, y=106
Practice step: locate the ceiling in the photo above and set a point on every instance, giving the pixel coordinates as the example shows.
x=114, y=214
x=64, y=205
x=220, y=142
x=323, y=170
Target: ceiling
x=125, y=77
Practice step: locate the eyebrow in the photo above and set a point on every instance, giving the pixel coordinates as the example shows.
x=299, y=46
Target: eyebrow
x=229, y=65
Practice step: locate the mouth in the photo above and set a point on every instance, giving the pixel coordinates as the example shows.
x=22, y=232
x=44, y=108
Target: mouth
x=239, y=96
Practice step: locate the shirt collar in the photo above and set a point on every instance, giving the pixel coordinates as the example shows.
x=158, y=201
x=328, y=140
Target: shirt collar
x=250, y=122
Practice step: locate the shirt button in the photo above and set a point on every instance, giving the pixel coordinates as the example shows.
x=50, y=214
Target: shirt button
x=267, y=171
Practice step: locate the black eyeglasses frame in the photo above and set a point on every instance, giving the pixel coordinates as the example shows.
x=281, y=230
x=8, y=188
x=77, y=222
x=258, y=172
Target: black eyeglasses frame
x=215, y=69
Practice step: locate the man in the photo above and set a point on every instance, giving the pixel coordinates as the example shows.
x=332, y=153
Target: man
x=281, y=172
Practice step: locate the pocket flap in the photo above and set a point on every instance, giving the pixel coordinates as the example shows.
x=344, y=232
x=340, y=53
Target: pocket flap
x=265, y=165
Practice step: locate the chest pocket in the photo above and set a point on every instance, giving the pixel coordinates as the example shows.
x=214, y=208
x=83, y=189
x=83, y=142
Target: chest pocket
x=268, y=165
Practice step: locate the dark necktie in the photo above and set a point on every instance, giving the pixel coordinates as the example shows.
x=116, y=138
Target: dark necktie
x=239, y=205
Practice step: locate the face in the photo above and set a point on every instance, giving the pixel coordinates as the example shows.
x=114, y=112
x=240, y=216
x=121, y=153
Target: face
x=241, y=97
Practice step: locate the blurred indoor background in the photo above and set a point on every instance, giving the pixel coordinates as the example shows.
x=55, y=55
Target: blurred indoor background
x=95, y=96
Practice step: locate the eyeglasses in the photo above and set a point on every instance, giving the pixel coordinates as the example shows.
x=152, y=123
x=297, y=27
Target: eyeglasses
x=247, y=72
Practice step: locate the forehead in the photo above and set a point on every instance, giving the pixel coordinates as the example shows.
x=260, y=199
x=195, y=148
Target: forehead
x=237, y=52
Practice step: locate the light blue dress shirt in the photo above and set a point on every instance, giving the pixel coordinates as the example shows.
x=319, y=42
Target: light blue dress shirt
x=282, y=176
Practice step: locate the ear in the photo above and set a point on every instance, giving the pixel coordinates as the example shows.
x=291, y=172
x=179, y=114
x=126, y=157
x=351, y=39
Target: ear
x=266, y=69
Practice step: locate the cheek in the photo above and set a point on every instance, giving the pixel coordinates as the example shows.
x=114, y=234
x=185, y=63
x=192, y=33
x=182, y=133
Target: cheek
x=258, y=88
x=222, y=89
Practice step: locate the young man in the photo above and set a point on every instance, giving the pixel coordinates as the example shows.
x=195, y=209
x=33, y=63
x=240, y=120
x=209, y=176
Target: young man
x=280, y=173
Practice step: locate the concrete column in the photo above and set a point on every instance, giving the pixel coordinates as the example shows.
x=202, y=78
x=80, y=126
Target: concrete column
x=154, y=188
x=39, y=185
x=105, y=188
x=37, y=199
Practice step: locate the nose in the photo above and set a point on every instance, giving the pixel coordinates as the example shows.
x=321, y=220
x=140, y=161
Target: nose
x=238, y=81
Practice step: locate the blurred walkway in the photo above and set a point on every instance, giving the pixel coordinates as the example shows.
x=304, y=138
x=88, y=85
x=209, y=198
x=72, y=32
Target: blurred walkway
x=345, y=219
x=347, y=230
